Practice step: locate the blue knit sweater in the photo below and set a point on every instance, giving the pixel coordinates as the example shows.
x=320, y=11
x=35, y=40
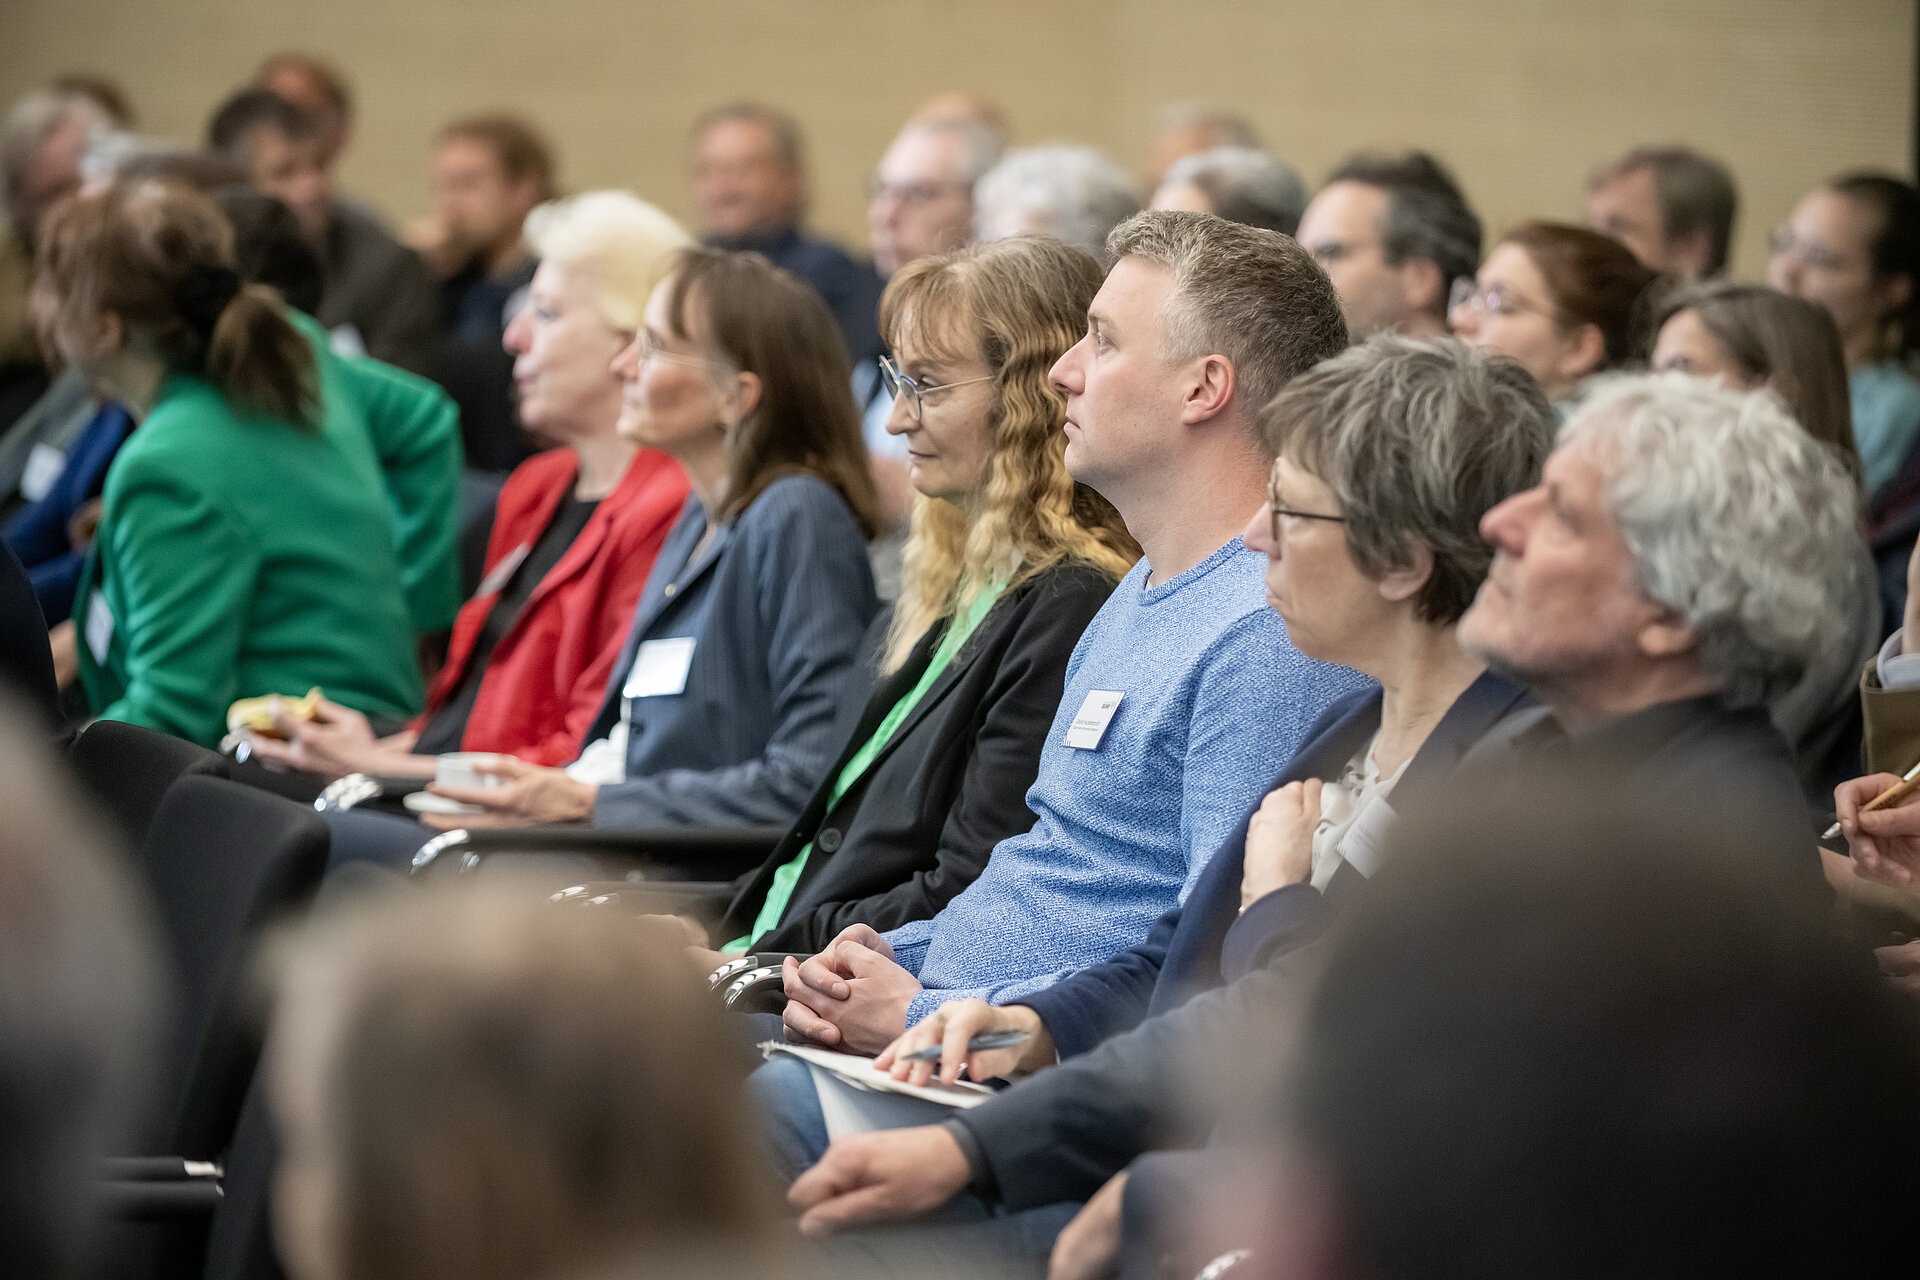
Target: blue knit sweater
x=1215, y=702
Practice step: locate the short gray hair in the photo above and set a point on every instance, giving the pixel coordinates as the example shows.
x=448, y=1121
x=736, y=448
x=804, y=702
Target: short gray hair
x=1249, y=294
x=979, y=147
x=1226, y=128
x=1736, y=518
x=1074, y=194
x=1244, y=185
x=1417, y=440
x=28, y=125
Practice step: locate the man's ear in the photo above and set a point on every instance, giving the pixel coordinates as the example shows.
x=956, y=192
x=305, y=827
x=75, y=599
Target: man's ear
x=1425, y=285
x=1667, y=634
x=1209, y=390
x=1694, y=250
x=1405, y=583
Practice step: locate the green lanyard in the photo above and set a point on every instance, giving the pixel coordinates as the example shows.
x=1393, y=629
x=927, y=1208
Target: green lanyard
x=780, y=892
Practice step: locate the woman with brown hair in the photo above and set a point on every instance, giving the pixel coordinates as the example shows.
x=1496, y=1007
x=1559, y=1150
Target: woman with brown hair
x=469, y=1083
x=1008, y=560
x=246, y=542
x=1749, y=336
x=1564, y=301
x=747, y=637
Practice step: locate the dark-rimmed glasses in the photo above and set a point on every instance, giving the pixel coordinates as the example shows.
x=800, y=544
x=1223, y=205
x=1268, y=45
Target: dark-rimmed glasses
x=1276, y=508
x=899, y=384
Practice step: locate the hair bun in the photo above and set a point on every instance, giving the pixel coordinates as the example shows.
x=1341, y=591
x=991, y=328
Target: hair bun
x=203, y=294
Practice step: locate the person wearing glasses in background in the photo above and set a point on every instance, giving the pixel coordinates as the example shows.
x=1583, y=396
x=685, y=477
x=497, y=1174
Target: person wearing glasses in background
x=920, y=203
x=1853, y=246
x=1562, y=300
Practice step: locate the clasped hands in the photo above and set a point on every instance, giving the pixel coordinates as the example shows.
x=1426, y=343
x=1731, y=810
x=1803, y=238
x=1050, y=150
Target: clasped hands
x=852, y=996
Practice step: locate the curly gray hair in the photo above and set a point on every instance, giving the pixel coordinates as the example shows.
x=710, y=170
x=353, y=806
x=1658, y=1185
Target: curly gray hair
x=1073, y=194
x=1736, y=518
x=1244, y=185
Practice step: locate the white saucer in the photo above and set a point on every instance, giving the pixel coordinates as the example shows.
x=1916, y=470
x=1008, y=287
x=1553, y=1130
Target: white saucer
x=427, y=802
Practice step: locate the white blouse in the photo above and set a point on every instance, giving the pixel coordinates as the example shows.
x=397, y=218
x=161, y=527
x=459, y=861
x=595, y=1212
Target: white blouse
x=1354, y=814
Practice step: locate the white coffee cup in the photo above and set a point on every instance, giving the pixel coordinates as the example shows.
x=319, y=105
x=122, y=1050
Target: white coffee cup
x=461, y=769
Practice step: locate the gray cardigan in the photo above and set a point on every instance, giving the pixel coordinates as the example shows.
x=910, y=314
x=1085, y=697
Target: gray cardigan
x=776, y=606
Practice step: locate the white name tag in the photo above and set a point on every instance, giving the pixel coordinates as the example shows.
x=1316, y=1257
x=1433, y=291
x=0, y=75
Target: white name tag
x=44, y=465
x=503, y=572
x=660, y=668
x=1091, y=721
x=99, y=627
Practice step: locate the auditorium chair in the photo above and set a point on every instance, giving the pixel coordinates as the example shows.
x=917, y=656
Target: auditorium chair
x=127, y=769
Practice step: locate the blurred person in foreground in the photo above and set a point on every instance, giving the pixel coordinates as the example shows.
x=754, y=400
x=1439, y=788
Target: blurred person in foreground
x=1395, y=235
x=472, y=1082
x=751, y=188
x=1608, y=1043
x=82, y=999
x=376, y=298
x=1746, y=337
x=1238, y=184
x=1671, y=206
x=1074, y=194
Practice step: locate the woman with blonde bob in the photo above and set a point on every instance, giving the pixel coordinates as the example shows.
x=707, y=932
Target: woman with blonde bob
x=1007, y=562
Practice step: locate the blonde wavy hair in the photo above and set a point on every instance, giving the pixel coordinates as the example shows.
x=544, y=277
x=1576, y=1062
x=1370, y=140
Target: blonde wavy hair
x=1018, y=304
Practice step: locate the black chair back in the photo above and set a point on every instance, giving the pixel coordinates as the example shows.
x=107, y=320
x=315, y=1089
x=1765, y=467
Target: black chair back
x=127, y=769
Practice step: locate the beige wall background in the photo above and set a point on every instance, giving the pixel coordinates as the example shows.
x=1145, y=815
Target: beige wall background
x=1521, y=97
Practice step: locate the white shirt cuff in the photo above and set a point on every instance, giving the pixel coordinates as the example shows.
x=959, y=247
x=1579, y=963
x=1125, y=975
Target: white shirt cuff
x=1898, y=670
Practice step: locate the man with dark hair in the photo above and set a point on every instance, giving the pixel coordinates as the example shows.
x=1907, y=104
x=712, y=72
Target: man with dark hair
x=318, y=89
x=750, y=187
x=377, y=299
x=1671, y=205
x=489, y=173
x=1394, y=233
x=1571, y=1036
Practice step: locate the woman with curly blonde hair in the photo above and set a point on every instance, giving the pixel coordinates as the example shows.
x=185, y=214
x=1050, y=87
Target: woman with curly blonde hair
x=1007, y=562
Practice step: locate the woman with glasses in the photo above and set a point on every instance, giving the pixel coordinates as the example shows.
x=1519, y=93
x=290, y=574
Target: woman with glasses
x=1853, y=246
x=1563, y=301
x=1007, y=562
x=575, y=530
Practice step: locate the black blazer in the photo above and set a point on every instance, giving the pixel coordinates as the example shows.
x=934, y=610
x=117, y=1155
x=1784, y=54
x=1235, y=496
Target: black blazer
x=918, y=826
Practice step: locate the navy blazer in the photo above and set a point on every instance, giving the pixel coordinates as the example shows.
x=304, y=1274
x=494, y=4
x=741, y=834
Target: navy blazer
x=1208, y=940
x=776, y=604
x=919, y=824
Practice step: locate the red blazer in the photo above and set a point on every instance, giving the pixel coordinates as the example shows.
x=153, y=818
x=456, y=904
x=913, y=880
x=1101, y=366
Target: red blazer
x=543, y=685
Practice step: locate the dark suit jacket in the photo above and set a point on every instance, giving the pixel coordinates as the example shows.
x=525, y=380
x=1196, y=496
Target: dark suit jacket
x=1032, y=1137
x=777, y=604
x=26, y=660
x=950, y=785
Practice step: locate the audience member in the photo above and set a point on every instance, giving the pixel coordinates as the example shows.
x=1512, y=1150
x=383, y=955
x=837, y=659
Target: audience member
x=1565, y=302
x=105, y=92
x=206, y=582
x=921, y=205
x=1238, y=184
x=968, y=108
x=750, y=184
x=1199, y=324
x=1188, y=128
x=1396, y=236
x=471, y=1083
x=81, y=1009
x=317, y=88
x=577, y=530
x=1672, y=206
x=1074, y=194
x=1389, y=455
x=1853, y=246
x=1008, y=562
x=378, y=300
x=1612, y=994
x=1681, y=563
x=719, y=711
x=1746, y=337
x=489, y=172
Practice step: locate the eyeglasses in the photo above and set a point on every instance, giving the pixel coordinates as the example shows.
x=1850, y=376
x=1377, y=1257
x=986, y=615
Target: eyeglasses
x=1276, y=508
x=1492, y=300
x=911, y=195
x=1811, y=252
x=899, y=384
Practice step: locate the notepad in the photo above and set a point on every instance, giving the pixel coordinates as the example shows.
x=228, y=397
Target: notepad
x=855, y=1098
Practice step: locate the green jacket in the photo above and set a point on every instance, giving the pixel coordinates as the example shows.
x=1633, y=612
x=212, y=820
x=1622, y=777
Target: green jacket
x=415, y=429
x=239, y=554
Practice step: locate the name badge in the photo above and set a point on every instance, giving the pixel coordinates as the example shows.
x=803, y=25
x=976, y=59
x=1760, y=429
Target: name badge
x=44, y=465
x=1091, y=721
x=503, y=572
x=660, y=668
x=99, y=628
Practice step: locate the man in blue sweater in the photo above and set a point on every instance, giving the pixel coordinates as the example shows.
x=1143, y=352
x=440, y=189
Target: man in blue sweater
x=1183, y=698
